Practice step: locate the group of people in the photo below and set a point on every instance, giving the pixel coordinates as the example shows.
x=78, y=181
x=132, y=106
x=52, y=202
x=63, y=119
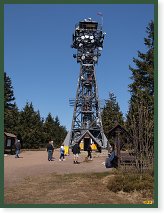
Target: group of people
x=50, y=150
x=75, y=151
x=111, y=160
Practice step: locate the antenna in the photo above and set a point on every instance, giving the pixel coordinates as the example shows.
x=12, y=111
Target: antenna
x=100, y=14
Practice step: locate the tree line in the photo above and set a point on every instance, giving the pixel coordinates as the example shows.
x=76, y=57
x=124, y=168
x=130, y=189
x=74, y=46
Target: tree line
x=31, y=129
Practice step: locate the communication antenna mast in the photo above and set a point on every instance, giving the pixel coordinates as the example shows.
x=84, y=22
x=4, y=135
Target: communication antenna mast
x=87, y=123
x=102, y=19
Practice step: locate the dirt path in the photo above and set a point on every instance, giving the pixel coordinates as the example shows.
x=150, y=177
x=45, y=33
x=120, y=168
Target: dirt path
x=35, y=163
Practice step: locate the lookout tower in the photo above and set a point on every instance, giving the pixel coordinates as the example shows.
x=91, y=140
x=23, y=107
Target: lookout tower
x=87, y=123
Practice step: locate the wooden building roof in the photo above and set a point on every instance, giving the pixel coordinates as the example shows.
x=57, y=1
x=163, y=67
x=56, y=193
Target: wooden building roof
x=119, y=128
x=87, y=134
x=10, y=135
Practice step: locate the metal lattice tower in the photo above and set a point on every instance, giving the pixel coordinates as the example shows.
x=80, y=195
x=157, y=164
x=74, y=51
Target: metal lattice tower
x=87, y=123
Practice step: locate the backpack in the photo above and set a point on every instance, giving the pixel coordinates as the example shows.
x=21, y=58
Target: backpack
x=108, y=163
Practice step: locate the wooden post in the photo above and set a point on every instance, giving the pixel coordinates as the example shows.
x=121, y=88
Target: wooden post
x=118, y=146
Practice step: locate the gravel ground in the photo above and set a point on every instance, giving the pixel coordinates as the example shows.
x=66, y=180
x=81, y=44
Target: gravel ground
x=33, y=163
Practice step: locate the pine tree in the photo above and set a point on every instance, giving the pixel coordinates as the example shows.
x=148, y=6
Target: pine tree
x=11, y=112
x=11, y=118
x=57, y=121
x=49, y=128
x=141, y=109
x=54, y=131
x=31, y=128
x=8, y=93
x=143, y=73
x=111, y=114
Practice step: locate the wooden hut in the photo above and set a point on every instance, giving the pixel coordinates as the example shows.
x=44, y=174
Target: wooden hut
x=9, y=141
x=116, y=133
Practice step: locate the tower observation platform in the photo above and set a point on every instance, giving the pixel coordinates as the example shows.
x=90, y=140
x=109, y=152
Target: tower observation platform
x=87, y=123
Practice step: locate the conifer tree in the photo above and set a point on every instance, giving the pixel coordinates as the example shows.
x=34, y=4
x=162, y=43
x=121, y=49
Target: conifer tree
x=8, y=93
x=48, y=127
x=143, y=73
x=31, y=128
x=11, y=112
x=54, y=131
x=141, y=109
x=111, y=114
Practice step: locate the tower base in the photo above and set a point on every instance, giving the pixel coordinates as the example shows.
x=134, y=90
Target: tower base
x=87, y=138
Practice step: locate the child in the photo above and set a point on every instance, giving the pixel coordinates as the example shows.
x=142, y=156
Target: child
x=62, y=153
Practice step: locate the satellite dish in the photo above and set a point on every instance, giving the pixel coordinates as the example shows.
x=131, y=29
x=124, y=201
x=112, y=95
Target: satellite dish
x=95, y=58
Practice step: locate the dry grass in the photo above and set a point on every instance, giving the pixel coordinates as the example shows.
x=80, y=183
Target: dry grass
x=89, y=188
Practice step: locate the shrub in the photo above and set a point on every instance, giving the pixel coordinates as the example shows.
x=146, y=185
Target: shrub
x=115, y=183
x=130, y=182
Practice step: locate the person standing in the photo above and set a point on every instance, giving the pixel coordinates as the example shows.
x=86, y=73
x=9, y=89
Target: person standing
x=76, y=152
x=52, y=143
x=89, y=149
x=17, y=148
x=62, y=153
x=50, y=151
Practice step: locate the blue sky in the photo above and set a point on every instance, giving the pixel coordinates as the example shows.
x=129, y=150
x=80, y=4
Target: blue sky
x=38, y=56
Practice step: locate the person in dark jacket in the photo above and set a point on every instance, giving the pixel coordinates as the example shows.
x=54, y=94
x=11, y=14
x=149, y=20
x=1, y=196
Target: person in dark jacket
x=76, y=152
x=111, y=160
x=17, y=148
x=89, y=150
x=50, y=151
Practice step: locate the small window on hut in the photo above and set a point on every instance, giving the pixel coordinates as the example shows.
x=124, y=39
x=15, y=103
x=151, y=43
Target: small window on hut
x=8, y=142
